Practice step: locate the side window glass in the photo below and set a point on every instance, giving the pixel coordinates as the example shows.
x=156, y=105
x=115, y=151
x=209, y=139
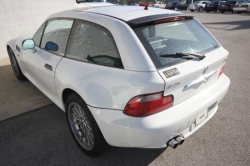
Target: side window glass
x=38, y=35
x=56, y=35
x=94, y=44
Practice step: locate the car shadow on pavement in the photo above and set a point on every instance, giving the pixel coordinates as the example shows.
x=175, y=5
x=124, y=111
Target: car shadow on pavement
x=42, y=137
x=16, y=97
x=229, y=25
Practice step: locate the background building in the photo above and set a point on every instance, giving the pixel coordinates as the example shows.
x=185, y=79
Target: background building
x=19, y=17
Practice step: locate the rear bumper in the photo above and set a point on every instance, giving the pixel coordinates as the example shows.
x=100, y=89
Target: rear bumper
x=239, y=9
x=210, y=9
x=154, y=131
x=192, y=8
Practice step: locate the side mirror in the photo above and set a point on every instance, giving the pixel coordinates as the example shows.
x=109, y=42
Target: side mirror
x=51, y=46
x=28, y=44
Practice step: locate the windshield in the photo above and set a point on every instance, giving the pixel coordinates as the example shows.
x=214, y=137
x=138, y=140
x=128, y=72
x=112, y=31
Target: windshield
x=174, y=37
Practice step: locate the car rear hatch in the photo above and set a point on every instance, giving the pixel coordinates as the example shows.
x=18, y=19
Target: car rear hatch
x=188, y=75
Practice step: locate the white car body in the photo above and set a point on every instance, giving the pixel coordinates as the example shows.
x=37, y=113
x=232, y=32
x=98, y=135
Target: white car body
x=107, y=90
x=198, y=4
x=242, y=7
x=160, y=4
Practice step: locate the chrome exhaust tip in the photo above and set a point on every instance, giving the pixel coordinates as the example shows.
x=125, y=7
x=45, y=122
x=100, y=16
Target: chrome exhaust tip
x=180, y=140
x=173, y=143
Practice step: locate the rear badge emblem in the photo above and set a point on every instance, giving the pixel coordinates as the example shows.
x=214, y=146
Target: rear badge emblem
x=173, y=85
x=171, y=72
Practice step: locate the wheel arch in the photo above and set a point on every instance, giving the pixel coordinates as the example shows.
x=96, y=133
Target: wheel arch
x=66, y=93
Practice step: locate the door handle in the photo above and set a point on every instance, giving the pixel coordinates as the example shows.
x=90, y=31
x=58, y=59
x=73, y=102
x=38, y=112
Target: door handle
x=49, y=67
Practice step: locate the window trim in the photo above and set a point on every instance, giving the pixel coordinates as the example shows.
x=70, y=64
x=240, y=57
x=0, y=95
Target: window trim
x=113, y=41
x=45, y=23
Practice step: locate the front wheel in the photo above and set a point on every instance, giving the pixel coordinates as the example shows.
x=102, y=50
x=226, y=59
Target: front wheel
x=192, y=10
x=84, y=127
x=15, y=66
x=200, y=9
x=207, y=11
x=239, y=12
x=222, y=11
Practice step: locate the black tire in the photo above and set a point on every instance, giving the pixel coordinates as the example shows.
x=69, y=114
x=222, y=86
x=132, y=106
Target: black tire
x=239, y=12
x=222, y=11
x=15, y=66
x=207, y=11
x=200, y=9
x=192, y=10
x=99, y=144
x=232, y=11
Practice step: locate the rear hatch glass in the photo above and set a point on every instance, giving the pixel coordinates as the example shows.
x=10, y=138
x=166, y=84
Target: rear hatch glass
x=172, y=37
x=184, y=77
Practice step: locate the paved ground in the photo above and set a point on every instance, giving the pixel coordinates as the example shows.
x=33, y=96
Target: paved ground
x=17, y=97
x=42, y=137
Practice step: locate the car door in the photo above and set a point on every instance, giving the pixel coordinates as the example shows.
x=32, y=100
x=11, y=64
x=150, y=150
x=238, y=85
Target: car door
x=44, y=59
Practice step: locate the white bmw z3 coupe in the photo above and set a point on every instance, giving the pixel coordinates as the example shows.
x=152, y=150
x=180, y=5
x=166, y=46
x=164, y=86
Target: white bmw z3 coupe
x=125, y=76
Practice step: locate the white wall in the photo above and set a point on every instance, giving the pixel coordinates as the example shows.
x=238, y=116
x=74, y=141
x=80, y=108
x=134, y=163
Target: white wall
x=25, y=16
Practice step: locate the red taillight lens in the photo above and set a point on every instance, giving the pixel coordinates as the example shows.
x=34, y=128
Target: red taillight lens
x=236, y=5
x=149, y=104
x=222, y=70
x=170, y=19
x=244, y=5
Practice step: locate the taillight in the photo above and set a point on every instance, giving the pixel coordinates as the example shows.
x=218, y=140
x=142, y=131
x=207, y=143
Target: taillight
x=148, y=104
x=222, y=70
x=236, y=5
x=171, y=19
x=244, y=5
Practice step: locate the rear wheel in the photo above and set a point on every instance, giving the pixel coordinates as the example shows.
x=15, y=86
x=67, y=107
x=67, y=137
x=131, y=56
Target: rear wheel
x=15, y=66
x=222, y=11
x=207, y=11
x=192, y=10
x=239, y=12
x=84, y=127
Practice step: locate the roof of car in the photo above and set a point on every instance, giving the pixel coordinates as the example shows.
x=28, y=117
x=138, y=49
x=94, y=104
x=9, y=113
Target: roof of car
x=126, y=13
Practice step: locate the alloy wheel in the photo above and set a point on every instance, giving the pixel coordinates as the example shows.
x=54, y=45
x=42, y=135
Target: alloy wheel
x=13, y=62
x=81, y=126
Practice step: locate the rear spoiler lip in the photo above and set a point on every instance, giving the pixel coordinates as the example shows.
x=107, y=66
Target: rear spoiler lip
x=150, y=20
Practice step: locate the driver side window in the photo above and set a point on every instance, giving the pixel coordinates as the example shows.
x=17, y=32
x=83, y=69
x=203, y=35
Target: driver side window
x=56, y=35
x=94, y=44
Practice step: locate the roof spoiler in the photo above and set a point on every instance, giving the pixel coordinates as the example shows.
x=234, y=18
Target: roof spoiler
x=156, y=19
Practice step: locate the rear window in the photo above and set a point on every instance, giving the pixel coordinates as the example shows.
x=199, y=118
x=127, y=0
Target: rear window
x=175, y=37
x=214, y=3
x=231, y=2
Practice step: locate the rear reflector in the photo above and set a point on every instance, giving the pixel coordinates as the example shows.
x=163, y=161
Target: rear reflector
x=171, y=19
x=222, y=70
x=148, y=104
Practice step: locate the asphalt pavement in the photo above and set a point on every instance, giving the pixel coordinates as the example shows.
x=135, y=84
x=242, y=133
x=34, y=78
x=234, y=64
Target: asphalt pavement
x=42, y=137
